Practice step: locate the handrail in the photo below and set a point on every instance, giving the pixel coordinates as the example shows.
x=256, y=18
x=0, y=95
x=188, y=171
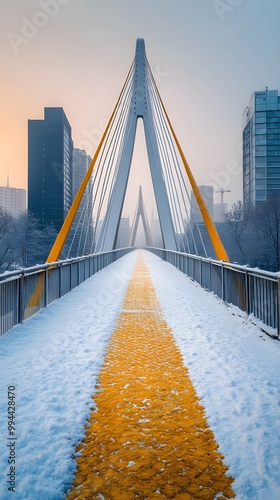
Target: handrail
x=229, y=265
x=25, y=291
x=23, y=271
x=255, y=291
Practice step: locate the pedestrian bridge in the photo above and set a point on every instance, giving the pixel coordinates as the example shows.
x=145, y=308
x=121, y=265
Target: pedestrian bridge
x=139, y=383
x=253, y=291
x=135, y=374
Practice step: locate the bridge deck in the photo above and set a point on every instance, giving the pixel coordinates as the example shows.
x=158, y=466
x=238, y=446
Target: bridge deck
x=55, y=358
x=148, y=436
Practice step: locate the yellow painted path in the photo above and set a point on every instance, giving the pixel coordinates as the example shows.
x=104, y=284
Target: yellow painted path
x=148, y=437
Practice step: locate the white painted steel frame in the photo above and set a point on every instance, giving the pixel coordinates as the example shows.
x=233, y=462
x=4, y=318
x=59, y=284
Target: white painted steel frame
x=140, y=107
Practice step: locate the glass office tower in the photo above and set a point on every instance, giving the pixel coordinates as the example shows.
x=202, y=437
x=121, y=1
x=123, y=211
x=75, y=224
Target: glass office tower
x=50, y=151
x=82, y=227
x=261, y=148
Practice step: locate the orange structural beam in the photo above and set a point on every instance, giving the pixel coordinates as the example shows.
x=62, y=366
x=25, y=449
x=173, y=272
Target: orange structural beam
x=63, y=233
x=211, y=228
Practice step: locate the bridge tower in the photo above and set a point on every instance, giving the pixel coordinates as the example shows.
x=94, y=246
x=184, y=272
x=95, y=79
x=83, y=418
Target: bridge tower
x=140, y=212
x=138, y=99
x=140, y=107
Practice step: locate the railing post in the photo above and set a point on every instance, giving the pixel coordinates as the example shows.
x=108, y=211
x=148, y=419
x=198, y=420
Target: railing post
x=78, y=272
x=94, y=264
x=247, y=291
x=70, y=274
x=223, y=281
x=278, y=308
x=21, y=299
x=59, y=280
x=46, y=287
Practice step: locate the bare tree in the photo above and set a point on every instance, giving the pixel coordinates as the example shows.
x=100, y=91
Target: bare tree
x=23, y=241
x=34, y=240
x=6, y=240
x=238, y=223
x=267, y=223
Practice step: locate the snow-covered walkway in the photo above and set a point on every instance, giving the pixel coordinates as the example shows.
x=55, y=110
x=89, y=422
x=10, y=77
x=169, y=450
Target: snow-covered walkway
x=53, y=361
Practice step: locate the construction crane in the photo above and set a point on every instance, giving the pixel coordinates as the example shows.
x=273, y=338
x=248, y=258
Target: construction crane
x=222, y=191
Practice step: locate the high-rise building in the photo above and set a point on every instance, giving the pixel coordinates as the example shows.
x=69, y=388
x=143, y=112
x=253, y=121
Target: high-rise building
x=198, y=228
x=50, y=149
x=12, y=200
x=124, y=232
x=81, y=162
x=219, y=211
x=156, y=231
x=207, y=194
x=261, y=147
x=82, y=226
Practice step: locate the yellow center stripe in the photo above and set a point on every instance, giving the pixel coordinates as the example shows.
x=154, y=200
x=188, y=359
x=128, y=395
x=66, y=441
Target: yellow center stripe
x=148, y=437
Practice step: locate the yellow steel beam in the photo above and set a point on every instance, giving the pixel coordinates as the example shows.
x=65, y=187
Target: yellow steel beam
x=63, y=233
x=211, y=228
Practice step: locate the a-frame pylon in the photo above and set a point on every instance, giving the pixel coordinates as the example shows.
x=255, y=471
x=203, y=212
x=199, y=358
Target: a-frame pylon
x=140, y=212
x=140, y=107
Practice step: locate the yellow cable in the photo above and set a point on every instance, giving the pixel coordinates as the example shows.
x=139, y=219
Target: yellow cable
x=212, y=231
x=63, y=233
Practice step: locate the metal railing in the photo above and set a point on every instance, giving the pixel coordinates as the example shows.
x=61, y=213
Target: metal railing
x=23, y=292
x=254, y=291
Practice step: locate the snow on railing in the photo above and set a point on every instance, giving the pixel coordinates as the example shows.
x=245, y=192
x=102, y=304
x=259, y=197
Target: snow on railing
x=23, y=292
x=253, y=290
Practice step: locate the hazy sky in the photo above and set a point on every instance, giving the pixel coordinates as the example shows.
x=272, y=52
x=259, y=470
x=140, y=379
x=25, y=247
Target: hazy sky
x=208, y=58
